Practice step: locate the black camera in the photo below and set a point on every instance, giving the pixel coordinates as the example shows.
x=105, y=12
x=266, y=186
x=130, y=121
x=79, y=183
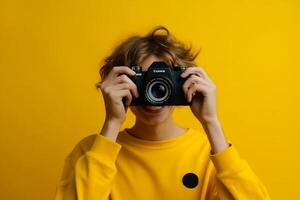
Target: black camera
x=159, y=85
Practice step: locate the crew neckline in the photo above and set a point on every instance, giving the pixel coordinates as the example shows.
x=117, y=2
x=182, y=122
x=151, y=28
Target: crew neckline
x=155, y=144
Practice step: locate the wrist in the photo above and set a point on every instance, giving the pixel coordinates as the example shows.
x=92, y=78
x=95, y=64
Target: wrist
x=215, y=134
x=210, y=120
x=111, y=129
x=113, y=122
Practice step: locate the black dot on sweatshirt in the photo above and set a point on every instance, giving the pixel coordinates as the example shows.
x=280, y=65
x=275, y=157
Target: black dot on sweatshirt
x=190, y=180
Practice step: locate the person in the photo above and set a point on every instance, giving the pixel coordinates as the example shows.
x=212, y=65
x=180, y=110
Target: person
x=156, y=158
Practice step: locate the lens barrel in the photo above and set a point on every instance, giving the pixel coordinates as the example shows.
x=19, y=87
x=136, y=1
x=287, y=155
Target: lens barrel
x=158, y=90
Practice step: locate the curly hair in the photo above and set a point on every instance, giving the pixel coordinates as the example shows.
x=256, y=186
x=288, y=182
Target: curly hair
x=137, y=48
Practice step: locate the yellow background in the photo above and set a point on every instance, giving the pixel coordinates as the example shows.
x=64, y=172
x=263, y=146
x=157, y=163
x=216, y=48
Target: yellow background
x=50, y=55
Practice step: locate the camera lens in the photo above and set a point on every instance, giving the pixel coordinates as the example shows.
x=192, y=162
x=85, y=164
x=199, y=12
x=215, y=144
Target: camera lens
x=158, y=91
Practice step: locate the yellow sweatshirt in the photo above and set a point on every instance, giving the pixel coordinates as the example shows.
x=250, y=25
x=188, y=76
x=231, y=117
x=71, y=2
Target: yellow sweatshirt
x=181, y=168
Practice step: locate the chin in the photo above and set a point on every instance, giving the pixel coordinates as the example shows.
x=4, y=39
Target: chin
x=152, y=115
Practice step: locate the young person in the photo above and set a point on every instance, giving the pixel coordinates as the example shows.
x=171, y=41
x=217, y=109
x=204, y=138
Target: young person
x=156, y=158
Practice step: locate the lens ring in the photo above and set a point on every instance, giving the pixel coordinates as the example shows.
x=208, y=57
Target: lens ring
x=154, y=93
x=148, y=91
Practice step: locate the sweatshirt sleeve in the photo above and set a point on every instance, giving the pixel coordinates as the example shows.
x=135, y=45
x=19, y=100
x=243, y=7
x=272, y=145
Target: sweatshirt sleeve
x=234, y=179
x=89, y=175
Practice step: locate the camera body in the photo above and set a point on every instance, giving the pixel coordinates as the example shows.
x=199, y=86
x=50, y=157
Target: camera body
x=159, y=85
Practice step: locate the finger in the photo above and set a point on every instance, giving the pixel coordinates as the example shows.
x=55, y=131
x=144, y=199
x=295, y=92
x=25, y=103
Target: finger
x=114, y=73
x=123, y=91
x=195, y=70
x=113, y=91
x=127, y=95
x=192, y=79
x=124, y=79
x=120, y=86
x=193, y=90
x=117, y=70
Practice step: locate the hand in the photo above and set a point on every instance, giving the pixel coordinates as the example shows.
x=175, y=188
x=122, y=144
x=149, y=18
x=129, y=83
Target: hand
x=116, y=86
x=200, y=89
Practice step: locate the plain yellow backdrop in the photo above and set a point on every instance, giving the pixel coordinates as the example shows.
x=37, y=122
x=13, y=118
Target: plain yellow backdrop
x=50, y=52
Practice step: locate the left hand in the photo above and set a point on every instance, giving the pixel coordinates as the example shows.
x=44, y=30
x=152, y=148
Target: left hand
x=201, y=90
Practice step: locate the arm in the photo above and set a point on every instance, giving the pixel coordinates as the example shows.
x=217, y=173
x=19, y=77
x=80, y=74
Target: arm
x=89, y=175
x=234, y=178
x=214, y=132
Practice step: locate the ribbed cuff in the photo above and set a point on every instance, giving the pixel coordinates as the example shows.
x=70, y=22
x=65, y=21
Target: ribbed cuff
x=106, y=148
x=227, y=160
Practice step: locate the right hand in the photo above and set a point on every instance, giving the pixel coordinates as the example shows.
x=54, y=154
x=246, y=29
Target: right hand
x=116, y=86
